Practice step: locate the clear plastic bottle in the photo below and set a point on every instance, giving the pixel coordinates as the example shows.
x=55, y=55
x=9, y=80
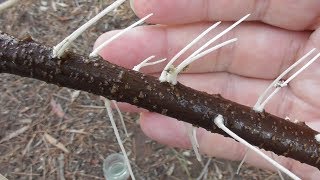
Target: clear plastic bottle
x=115, y=167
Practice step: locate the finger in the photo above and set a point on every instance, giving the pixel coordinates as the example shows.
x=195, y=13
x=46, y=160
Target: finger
x=297, y=15
x=261, y=51
x=171, y=132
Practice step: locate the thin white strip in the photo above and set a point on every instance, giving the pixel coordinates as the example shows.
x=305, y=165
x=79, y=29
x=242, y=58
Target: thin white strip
x=192, y=140
x=172, y=78
x=300, y=70
x=279, y=172
x=121, y=117
x=242, y=161
x=145, y=63
x=263, y=104
x=139, y=66
x=100, y=47
x=194, y=134
x=60, y=48
x=218, y=36
x=257, y=106
x=204, y=170
x=162, y=77
x=155, y=62
x=116, y=132
x=186, y=62
x=219, y=122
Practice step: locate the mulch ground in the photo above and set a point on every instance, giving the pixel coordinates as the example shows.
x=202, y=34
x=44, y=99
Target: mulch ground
x=33, y=114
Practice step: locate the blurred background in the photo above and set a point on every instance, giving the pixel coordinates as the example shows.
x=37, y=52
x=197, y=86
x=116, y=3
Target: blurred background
x=49, y=132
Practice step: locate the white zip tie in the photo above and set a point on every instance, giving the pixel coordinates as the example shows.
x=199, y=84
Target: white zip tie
x=259, y=106
x=172, y=77
x=116, y=132
x=219, y=122
x=162, y=77
x=121, y=117
x=100, y=47
x=60, y=48
x=145, y=63
x=192, y=140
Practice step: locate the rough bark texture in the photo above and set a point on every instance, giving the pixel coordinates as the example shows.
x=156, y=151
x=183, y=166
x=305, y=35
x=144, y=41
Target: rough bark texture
x=31, y=59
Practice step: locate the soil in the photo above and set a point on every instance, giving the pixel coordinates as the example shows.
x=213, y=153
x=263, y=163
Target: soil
x=31, y=111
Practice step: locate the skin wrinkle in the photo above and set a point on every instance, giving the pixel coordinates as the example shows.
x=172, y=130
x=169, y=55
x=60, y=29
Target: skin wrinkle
x=206, y=6
x=261, y=8
x=222, y=57
x=226, y=54
x=311, y=42
x=227, y=86
x=315, y=23
x=285, y=105
x=293, y=54
x=308, y=103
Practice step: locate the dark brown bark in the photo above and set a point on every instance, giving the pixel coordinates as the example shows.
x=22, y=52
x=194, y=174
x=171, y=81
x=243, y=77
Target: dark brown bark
x=31, y=59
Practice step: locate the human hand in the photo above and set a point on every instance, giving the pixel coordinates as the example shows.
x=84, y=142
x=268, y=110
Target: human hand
x=279, y=33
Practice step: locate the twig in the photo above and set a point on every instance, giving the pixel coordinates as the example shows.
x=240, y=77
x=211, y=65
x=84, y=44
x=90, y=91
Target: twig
x=61, y=166
x=30, y=59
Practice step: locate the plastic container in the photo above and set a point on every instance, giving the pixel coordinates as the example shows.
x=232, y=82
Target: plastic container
x=115, y=167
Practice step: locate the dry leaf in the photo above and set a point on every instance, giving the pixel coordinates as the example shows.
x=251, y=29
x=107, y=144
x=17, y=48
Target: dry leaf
x=55, y=142
x=14, y=134
x=2, y=177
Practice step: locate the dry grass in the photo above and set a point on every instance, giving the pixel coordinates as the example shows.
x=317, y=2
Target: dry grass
x=47, y=134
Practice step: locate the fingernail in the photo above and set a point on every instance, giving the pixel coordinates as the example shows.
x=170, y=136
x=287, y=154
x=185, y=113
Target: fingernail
x=132, y=5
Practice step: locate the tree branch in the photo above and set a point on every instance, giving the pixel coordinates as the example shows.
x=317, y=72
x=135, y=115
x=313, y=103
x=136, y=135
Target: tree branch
x=31, y=59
